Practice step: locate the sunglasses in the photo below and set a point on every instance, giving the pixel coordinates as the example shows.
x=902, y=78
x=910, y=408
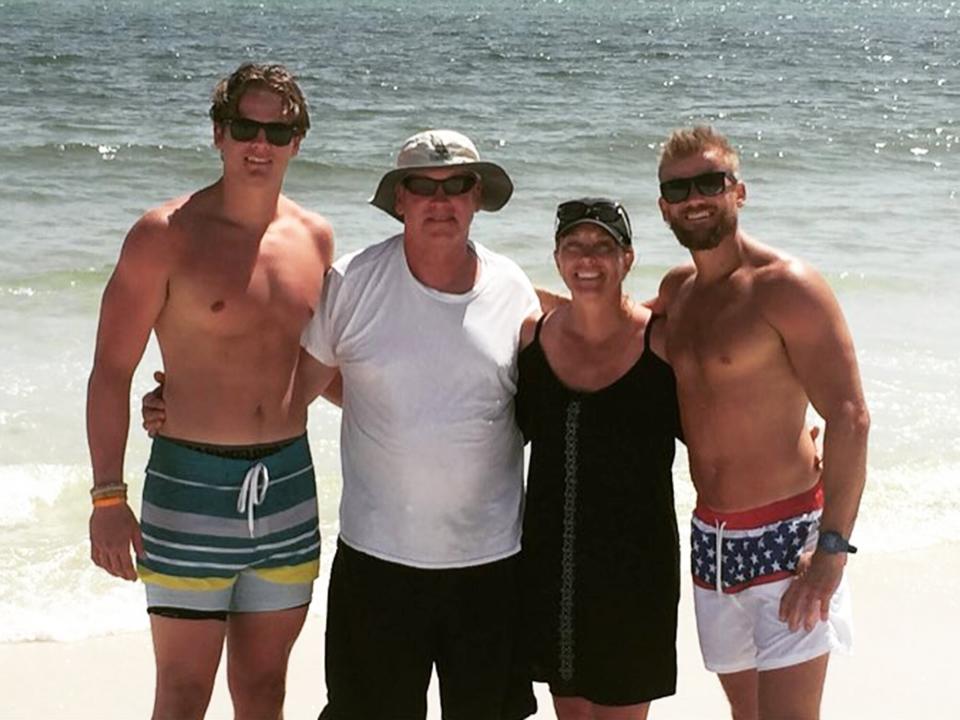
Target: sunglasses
x=426, y=187
x=707, y=184
x=612, y=214
x=244, y=130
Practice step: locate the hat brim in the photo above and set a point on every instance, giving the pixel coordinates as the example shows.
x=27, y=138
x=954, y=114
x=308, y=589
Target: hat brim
x=495, y=185
x=621, y=239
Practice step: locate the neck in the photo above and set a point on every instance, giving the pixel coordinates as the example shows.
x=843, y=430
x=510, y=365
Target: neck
x=721, y=261
x=448, y=265
x=249, y=206
x=597, y=319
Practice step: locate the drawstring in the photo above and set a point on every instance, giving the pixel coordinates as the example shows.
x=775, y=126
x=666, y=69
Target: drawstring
x=252, y=492
x=720, y=527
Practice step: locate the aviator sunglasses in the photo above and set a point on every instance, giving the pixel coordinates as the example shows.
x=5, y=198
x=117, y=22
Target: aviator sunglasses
x=244, y=130
x=612, y=214
x=707, y=184
x=426, y=187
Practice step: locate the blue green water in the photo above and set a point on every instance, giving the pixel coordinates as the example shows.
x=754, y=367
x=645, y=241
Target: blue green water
x=847, y=115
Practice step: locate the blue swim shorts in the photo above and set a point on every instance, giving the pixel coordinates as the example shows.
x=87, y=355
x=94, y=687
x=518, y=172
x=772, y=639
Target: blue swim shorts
x=227, y=535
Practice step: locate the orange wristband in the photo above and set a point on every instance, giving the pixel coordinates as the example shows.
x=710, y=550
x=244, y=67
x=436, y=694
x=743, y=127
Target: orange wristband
x=109, y=501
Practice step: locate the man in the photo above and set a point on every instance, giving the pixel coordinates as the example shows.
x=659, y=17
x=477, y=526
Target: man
x=754, y=336
x=227, y=278
x=424, y=329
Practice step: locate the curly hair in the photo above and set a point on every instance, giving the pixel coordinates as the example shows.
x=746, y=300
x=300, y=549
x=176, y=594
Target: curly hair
x=276, y=78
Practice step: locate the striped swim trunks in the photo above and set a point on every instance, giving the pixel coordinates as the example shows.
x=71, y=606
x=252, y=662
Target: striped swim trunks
x=229, y=535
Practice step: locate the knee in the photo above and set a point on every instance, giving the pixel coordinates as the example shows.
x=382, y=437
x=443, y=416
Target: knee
x=180, y=696
x=259, y=693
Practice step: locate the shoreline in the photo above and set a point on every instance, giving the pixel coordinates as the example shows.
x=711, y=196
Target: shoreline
x=901, y=666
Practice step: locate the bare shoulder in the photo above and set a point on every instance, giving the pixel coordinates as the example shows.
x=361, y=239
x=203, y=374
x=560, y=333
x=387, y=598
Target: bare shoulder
x=670, y=286
x=790, y=290
x=528, y=330
x=642, y=315
x=318, y=227
x=153, y=239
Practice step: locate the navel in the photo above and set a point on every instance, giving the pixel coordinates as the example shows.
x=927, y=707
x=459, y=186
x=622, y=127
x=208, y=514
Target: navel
x=218, y=306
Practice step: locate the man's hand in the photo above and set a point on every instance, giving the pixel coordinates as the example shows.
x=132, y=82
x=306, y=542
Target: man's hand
x=153, y=408
x=807, y=601
x=817, y=444
x=113, y=530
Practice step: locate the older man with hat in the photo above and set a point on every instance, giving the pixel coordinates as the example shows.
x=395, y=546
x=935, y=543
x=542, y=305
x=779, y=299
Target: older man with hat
x=424, y=329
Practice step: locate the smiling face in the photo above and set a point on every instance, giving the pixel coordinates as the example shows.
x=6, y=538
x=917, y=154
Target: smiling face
x=256, y=159
x=702, y=222
x=438, y=215
x=590, y=261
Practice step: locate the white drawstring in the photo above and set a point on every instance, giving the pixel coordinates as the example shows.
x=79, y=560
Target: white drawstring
x=252, y=492
x=720, y=527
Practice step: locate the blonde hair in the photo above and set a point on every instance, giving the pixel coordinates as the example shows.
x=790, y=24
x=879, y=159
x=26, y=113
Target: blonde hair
x=685, y=142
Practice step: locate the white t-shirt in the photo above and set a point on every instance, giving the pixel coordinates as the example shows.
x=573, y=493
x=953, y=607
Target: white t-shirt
x=432, y=457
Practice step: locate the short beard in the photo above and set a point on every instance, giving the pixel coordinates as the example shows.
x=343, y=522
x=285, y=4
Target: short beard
x=706, y=238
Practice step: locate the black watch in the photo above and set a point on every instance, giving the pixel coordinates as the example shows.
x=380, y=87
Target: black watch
x=833, y=542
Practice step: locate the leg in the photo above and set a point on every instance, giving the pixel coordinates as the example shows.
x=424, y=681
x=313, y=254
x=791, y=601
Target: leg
x=258, y=648
x=572, y=708
x=187, y=654
x=578, y=708
x=741, y=690
x=478, y=663
x=793, y=693
x=379, y=643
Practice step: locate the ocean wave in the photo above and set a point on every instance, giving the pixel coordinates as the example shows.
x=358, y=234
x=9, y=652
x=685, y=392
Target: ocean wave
x=36, y=285
x=60, y=152
x=31, y=490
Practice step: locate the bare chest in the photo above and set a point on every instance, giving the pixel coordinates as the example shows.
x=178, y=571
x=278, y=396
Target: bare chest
x=590, y=368
x=231, y=286
x=715, y=337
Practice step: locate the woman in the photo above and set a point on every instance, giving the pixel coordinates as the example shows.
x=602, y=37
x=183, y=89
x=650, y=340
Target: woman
x=600, y=546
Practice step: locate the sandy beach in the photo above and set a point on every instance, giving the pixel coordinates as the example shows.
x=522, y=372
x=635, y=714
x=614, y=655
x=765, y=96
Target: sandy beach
x=906, y=606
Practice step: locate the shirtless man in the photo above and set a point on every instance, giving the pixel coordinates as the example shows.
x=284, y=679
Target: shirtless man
x=227, y=278
x=754, y=336
x=424, y=327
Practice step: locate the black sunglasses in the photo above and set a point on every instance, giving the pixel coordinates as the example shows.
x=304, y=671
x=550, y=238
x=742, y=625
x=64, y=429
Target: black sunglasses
x=426, y=187
x=244, y=130
x=707, y=184
x=612, y=214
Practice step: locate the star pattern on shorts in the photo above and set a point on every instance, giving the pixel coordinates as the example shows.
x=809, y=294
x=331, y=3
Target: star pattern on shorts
x=748, y=558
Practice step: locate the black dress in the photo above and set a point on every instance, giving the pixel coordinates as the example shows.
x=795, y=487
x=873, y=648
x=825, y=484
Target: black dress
x=600, y=546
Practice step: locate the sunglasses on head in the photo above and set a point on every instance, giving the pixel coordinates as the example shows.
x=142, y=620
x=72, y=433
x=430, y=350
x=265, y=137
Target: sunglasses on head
x=426, y=187
x=244, y=130
x=707, y=184
x=611, y=214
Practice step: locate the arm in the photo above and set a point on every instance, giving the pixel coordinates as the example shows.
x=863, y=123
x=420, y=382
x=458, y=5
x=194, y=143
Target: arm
x=315, y=379
x=550, y=301
x=800, y=305
x=132, y=300
x=528, y=330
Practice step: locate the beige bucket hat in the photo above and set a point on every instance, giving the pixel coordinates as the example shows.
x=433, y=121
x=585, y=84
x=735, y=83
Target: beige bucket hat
x=443, y=148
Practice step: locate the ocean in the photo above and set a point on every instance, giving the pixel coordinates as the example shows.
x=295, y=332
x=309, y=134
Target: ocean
x=847, y=116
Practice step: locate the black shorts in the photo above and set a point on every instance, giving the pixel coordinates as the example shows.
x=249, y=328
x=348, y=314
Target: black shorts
x=389, y=624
